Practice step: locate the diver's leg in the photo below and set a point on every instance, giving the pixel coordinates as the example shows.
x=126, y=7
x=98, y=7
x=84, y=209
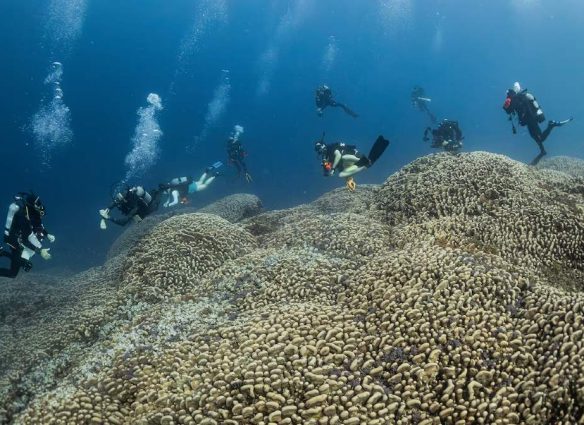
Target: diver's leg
x=547, y=131
x=347, y=109
x=174, y=194
x=538, y=157
x=536, y=134
x=350, y=159
x=430, y=114
x=237, y=166
x=202, y=179
x=204, y=184
x=351, y=170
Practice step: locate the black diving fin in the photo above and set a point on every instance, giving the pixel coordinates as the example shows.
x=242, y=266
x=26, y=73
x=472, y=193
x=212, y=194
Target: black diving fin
x=375, y=153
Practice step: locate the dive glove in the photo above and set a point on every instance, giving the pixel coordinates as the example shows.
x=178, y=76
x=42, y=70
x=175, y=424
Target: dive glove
x=45, y=254
x=104, y=214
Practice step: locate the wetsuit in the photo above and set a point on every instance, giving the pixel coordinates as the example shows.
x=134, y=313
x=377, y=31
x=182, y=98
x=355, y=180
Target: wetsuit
x=420, y=101
x=134, y=207
x=525, y=106
x=24, y=229
x=179, y=184
x=236, y=155
x=324, y=98
x=448, y=136
x=330, y=155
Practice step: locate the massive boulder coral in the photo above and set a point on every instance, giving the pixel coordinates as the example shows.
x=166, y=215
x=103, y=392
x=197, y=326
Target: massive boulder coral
x=525, y=215
x=430, y=305
x=46, y=331
x=469, y=338
x=352, y=237
x=418, y=336
x=343, y=201
x=233, y=208
x=172, y=258
x=283, y=276
x=565, y=164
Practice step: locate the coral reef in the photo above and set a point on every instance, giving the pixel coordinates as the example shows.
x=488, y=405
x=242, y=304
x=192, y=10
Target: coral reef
x=169, y=261
x=565, y=164
x=451, y=294
x=489, y=202
x=233, y=208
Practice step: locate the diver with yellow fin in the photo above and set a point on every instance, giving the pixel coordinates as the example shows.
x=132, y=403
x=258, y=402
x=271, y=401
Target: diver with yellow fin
x=347, y=159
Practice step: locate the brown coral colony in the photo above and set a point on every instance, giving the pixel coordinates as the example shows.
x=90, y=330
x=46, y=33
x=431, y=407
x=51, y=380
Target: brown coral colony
x=450, y=294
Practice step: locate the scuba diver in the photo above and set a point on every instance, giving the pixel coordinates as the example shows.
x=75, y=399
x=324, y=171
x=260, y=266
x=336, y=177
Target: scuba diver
x=523, y=104
x=347, y=159
x=236, y=154
x=179, y=188
x=420, y=101
x=134, y=204
x=24, y=234
x=324, y=98
x=448, y=136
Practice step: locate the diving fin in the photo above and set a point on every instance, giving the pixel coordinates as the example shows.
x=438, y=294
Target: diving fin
x=213, y=170
x=377, y=150
x=559, y=123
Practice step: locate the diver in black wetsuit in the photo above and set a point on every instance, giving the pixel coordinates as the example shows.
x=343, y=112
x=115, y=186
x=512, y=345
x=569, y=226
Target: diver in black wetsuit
x=420, y=101
x=523, y=104
x=447, y=136
x=24, y=234
x=324, y=98
x=236, y=154
x=347, y=159
x=134, y=204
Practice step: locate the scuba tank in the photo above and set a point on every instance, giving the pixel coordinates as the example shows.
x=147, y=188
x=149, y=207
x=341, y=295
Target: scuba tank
x=534, y=106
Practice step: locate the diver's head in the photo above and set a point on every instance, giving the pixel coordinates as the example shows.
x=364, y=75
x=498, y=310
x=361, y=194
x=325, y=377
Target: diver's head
x=516, y=87
x=140, y=191
x=34, y=202
x=319, y=147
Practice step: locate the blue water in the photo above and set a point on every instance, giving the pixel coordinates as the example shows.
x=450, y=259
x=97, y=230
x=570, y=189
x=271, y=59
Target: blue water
x=464, y=56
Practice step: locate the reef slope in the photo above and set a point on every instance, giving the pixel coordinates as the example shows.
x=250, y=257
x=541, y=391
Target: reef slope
x=450, y=294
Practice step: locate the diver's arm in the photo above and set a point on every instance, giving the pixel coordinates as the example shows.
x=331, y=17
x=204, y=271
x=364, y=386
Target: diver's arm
x=12, y=210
